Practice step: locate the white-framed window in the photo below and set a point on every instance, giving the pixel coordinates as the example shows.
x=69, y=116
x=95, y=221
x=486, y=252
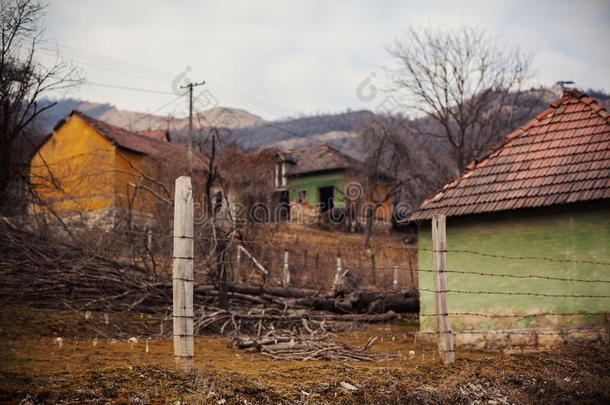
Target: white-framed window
x=302, y=196
x=283, y=174
x=280, y=175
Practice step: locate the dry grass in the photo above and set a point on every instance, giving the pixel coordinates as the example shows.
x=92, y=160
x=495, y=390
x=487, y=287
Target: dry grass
x=313, y=255
x=34, y=366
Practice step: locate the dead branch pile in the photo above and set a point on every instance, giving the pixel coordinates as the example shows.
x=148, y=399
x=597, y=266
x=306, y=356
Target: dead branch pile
x=292, y=335
x=37, y=272
x=280, y=322
x=265, y=322
x=304, y=348
x=44, y=274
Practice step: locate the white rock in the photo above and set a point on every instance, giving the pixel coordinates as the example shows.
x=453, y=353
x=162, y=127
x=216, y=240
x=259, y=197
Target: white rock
x=348, y=386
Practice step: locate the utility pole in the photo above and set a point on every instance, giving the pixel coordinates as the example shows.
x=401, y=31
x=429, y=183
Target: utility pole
x=190, y=87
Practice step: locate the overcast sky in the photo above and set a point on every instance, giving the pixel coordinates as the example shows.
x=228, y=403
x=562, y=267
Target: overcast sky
x=282, y=58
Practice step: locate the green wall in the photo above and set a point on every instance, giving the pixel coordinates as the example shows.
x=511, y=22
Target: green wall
x=581, y=234
x=311, y=184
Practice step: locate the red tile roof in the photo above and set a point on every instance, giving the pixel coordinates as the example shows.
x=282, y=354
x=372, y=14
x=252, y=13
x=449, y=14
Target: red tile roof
x=140, y=143
x=561, y=156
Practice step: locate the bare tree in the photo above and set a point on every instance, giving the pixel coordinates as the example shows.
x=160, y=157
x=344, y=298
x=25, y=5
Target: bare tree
x=472, y=89
x=251, y=177
x=396, y=167
x=23, y=80
x=211, y=143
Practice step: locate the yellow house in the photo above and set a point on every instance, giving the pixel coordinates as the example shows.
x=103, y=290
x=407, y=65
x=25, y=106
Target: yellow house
x=101, y=172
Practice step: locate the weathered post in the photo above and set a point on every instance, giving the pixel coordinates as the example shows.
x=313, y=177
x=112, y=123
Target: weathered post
x=411, y=272
x=286, y=269
x=184, y=351
x=237, y=271
x=439, y=247
x=338, y=273
x=395, y=283
x=149, y=244
x=373, y=270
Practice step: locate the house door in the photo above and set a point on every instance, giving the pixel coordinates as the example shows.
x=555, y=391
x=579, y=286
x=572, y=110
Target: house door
x=283, y=207
x=326, y=196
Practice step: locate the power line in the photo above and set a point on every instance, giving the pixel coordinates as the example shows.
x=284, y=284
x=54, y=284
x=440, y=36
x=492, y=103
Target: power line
x=145, y=72
x=271, y=106
x=107, y=67
x=104, y=61
x=115, y=60
x=152, y=74
x=190, y=149
x=115, y=86
x=159, y=109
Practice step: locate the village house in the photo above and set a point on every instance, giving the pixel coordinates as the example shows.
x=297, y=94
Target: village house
x=544, y=192
x=90, y=170
x=316, y=179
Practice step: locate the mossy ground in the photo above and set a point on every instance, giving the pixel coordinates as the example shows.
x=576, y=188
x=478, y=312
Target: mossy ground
x=34, y=366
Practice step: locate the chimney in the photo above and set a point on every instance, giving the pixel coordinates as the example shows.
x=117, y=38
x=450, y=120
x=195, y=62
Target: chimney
x=565, y=84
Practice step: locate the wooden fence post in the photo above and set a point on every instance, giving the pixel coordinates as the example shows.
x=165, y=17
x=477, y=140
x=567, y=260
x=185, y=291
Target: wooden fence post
x=373, y=270
x=338, y=273
x=184, y=351
x=395, y=283
x=237, y=272
x=439, y=247
x=411, y=271
x=286, y=269
x=149, y=245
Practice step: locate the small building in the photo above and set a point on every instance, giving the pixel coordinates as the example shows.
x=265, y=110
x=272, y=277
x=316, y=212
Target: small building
x=93, y=171
x=543, y=193
x=316, y=179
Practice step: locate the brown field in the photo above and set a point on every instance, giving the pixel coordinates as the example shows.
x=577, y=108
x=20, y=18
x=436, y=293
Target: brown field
x=313, y=255
x=35, y=367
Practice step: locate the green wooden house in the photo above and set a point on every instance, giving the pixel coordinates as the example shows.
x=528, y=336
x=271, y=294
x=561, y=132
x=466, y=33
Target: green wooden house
x=313, y=180
x=543, y=193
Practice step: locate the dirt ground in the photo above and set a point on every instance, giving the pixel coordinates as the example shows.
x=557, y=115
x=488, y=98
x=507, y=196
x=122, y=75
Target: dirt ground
x=37, y=367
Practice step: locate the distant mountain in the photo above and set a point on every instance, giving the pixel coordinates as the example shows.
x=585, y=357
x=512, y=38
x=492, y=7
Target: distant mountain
x=339, y=130
x=251, y=132
x=136, y=121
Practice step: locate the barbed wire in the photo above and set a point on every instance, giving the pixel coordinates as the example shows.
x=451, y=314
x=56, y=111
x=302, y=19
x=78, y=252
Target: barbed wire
x=538, y=314
x=347, y=265
x=549, y=259
x=515, y=293
x=296, y=243
x=532, y=331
